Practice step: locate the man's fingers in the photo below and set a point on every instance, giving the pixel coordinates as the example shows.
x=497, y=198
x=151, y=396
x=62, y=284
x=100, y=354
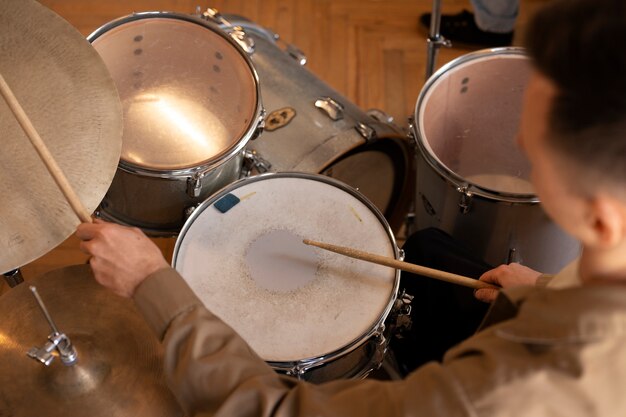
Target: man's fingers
x=486, y=295
x=87, y=231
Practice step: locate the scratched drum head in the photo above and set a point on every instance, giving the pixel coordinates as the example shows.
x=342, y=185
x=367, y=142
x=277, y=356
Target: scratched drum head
x=289, y=301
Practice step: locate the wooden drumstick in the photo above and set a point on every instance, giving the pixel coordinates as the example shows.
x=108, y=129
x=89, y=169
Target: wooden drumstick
x=404, y=266
x=44, y=153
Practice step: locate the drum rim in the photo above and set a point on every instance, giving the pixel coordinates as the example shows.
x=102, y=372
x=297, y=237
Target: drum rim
x=256, y=121
x=447, y=174
x=304, y=364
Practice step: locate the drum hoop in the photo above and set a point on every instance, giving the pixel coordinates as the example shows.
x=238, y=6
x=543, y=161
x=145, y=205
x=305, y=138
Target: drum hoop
x=443, y=171
x=255, y=120
x=308, y=363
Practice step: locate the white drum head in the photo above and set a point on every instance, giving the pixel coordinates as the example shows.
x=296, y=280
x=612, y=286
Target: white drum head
x=289, y=301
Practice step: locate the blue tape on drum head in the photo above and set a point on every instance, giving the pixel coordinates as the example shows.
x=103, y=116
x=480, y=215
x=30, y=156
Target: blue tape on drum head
x=226, y=203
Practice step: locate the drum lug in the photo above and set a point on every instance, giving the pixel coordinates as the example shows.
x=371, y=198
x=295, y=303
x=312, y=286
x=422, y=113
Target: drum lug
x=260, y=127
x=367, y=132
x=381, y=347
x=513, y=256
x=332, y=108
x=194, y=186
x=296, y=53
x=400, y=317
x=252, y=161
x=189, y=210
x=380, y=116
x=236, y=32
x=297, y=371
x=466, y=199
x=411, y=126
x=401, y=254
x=291, y=50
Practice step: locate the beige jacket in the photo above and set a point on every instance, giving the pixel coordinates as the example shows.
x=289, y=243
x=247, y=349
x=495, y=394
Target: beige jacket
x=563, y=354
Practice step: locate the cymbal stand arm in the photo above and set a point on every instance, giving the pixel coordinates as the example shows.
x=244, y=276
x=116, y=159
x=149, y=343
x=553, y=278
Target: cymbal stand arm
x=56, y=341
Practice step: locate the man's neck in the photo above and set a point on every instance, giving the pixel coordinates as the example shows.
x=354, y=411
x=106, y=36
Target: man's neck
x=603, y=265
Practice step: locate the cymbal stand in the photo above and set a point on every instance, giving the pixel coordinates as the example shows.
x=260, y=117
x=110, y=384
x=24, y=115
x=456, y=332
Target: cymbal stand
x=56, y=341
x=13, y=278
x=435, y=40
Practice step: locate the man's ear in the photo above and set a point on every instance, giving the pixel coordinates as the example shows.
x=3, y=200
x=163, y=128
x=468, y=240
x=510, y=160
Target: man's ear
x=606, y=221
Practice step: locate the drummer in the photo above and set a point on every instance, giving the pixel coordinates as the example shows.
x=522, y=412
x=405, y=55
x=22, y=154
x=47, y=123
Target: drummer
x=546, y=351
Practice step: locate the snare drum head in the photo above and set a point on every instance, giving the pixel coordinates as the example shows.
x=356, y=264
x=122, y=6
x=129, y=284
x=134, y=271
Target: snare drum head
x=188, y=93
x=289, y=301
x=468, y=116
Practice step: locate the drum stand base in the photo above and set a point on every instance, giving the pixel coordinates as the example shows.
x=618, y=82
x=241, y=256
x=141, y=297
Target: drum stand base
x=13, y=278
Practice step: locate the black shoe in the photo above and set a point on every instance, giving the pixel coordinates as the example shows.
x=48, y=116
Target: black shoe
x=462, y=28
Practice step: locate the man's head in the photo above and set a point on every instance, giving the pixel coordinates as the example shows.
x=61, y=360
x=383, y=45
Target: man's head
x=573, y=125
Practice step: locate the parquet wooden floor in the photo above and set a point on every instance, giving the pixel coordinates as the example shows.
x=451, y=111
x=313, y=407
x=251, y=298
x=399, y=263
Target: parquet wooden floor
x=372, y=51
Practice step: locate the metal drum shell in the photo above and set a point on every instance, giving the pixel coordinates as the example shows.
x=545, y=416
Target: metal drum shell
x=497, y=227
x=164, y=201
x=496, y=231
x=155, y=200
x=313, y=142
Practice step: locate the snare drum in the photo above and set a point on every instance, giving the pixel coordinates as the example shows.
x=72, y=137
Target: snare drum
x=310, y=127
x=191, y=103
x=309, y=313
x=472, y=180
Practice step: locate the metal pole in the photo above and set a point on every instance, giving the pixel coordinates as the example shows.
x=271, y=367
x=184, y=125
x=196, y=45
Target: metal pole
x=435, y=40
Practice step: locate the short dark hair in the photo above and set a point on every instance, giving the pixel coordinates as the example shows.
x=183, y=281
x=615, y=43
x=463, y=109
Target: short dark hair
x=580, y=45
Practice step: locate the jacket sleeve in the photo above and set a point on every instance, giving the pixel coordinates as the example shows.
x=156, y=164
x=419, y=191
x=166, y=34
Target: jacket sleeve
x=212, y=371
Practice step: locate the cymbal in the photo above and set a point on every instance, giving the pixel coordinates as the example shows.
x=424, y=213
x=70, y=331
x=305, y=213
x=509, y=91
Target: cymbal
x=119, y=368
x=69, y=95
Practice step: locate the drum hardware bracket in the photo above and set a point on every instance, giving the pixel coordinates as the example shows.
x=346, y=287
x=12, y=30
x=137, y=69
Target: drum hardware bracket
x=380, y=116
x=260, y=126
x=236, y=32
x=332, y=108
x=411, y=126
x=251, y=161
x=194, y=185
x=56, y=341
x=512, y=257
x=291, y=50
x=465, y=202
x=297, y=371
x=189, y=210
x=401, y=321
x=296, y=53
x=13, y=278
x=367, y=132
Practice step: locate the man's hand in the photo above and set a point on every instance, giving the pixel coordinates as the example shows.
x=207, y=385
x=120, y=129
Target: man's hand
x=121, y=257
x=506, y=276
